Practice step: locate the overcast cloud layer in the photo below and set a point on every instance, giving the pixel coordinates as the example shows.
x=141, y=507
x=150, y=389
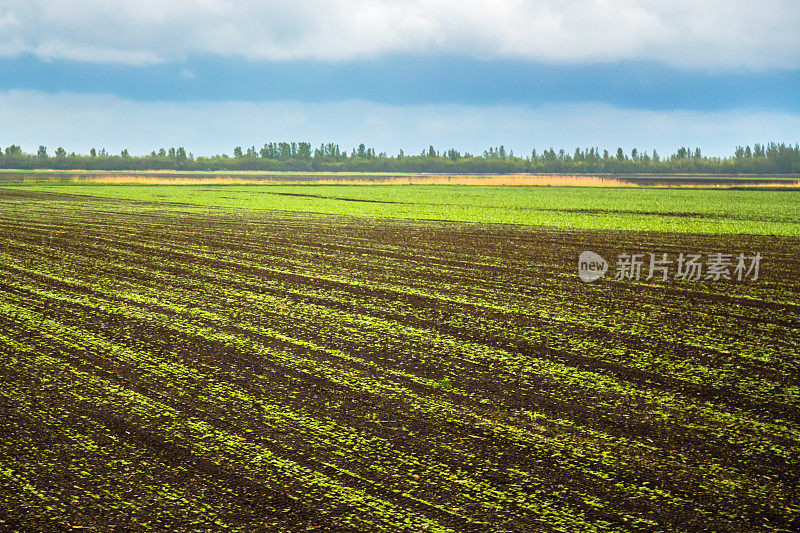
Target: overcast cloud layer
x=705, y=34
x=80, y=122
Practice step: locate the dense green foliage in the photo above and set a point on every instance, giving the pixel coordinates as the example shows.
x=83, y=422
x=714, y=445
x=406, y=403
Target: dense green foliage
x=766, y=212
x=771, y=158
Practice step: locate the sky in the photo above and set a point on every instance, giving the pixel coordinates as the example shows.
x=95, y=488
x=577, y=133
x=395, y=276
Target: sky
x=399, y=74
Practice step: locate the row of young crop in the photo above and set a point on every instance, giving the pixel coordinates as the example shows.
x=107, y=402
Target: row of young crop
x=743, y=351
x=62, y=469
x=256, y=463
x=343, y=375
x=189, y=386
x=718, y=377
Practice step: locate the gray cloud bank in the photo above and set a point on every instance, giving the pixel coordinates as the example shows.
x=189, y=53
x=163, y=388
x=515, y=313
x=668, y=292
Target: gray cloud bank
x=716, y=34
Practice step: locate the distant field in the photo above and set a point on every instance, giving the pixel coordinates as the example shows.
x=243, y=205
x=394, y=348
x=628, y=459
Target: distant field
x=166, y=177
x=690, y=210
x=308, y=175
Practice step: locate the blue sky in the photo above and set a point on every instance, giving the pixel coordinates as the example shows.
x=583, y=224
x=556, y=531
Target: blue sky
x=213, y=74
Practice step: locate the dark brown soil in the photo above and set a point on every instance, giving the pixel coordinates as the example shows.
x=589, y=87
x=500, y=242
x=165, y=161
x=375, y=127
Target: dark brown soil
x=477, y=377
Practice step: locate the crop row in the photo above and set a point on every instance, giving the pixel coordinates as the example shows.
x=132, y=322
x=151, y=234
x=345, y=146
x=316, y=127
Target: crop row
x=373, y=375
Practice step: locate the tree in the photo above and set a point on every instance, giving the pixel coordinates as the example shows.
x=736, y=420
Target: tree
x=761, y=158
x=237, y=152
x=13, y=151
x=304, y=150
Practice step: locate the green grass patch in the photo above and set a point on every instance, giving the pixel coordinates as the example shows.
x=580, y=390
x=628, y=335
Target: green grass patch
x=765, y=212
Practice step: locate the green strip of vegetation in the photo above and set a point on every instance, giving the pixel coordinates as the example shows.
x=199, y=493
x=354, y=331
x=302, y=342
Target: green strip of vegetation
x=725, y=211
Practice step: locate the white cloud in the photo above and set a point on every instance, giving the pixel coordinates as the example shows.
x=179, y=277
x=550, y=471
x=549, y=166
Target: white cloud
x=79, y=122
x=687, y=33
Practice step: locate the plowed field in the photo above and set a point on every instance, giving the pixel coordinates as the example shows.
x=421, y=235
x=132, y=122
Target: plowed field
x=172, y=368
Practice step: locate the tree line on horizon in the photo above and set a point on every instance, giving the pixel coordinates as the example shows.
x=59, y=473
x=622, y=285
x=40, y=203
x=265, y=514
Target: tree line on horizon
x=770, y=158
